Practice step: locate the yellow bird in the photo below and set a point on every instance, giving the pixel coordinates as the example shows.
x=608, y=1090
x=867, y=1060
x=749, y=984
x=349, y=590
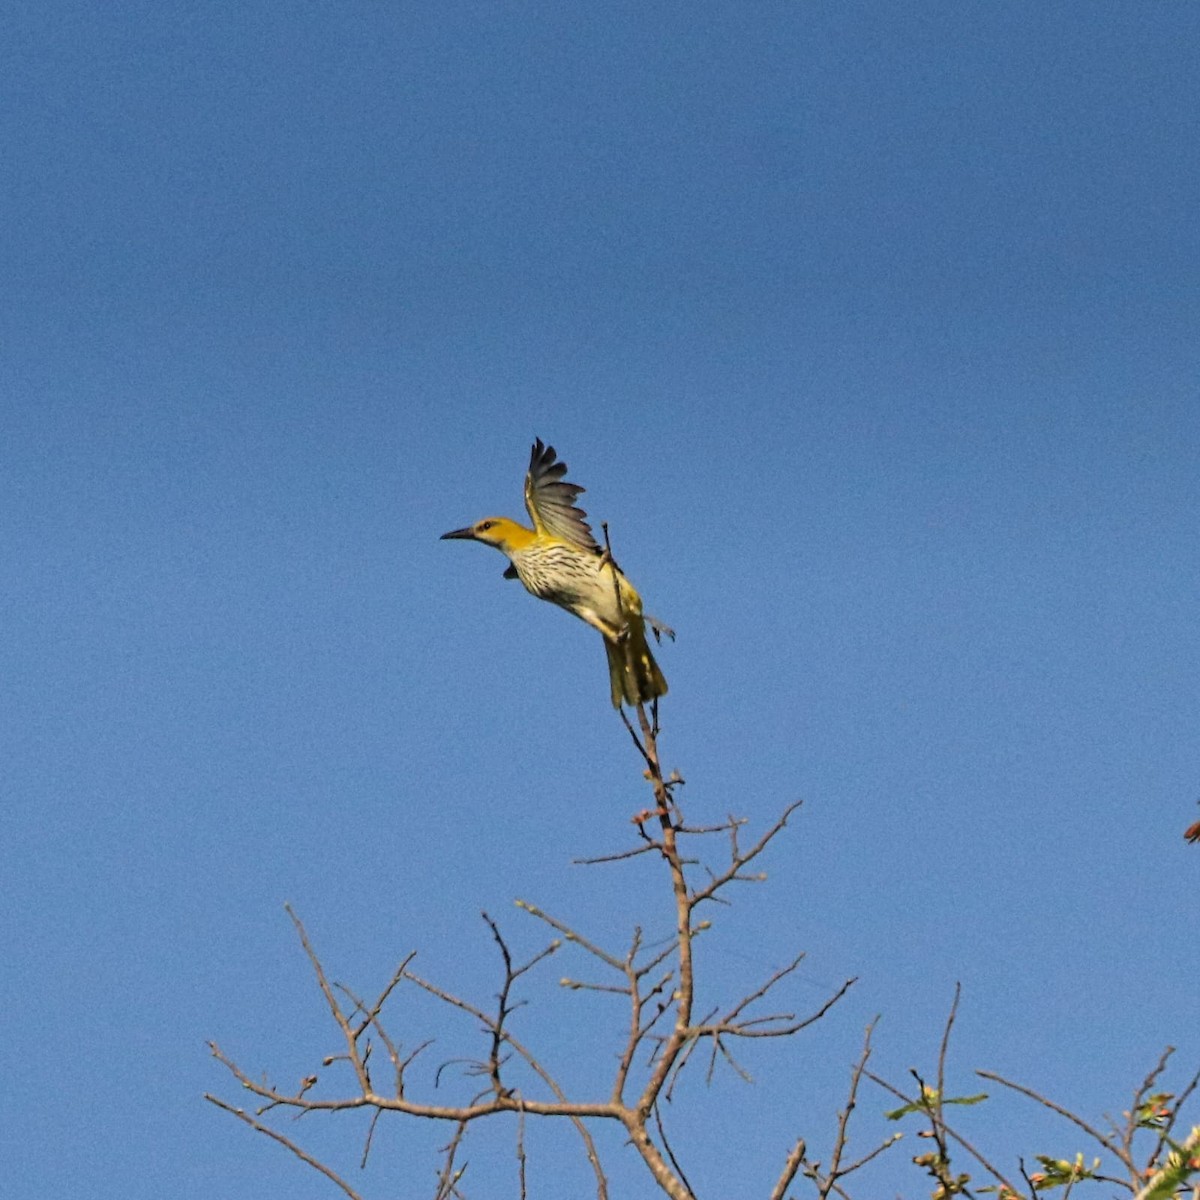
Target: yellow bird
x=558, y=560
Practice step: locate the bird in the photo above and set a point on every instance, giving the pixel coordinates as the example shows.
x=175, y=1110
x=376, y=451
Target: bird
x=559, y=560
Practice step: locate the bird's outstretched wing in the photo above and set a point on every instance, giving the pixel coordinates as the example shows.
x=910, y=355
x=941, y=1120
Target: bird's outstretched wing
x=551, y=502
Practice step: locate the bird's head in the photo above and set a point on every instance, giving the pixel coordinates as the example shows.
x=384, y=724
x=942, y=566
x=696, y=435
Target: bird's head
x=500, y=532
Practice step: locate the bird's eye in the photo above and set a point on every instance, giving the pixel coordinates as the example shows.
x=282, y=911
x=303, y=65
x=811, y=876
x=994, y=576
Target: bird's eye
x=485, y=524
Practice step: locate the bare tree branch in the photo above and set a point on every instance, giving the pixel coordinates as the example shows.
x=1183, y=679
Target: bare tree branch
x=276, y=1136
x=1112, y=1147
x=740, y=858
x=949, y=1132
x=790, y=1167
x=657, y=981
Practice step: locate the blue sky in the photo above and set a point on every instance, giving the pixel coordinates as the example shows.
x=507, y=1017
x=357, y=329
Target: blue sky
x=872, y=332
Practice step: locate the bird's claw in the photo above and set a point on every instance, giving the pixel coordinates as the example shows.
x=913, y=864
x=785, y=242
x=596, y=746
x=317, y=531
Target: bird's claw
x=659, y=629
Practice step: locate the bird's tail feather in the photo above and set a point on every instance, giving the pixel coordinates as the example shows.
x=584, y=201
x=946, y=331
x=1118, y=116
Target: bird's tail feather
x=633, y=673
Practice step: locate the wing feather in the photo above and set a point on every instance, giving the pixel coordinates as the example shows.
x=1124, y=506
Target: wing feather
x=551, y=501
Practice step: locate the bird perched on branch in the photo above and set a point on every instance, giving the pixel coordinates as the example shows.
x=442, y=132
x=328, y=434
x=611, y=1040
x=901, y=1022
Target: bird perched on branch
x=558, y=560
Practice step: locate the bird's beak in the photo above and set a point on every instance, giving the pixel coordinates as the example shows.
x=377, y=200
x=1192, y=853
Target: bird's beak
x=469, y=532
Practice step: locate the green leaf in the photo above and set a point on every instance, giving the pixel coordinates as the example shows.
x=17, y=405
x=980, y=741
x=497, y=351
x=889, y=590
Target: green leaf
x=1059, y=1171
x=930, y=1101
x=1176, y=1171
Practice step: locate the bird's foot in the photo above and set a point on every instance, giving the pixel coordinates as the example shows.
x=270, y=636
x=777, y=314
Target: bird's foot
x=657, y=628
x=606, y=560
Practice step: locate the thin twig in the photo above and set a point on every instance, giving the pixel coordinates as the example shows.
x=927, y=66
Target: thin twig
x=740, y=858
x=340, y=1019
x=662, y=1134
x=619, y=856
x=945, y=1046
x=1169, y=1124
x=749, y=1029
x=746, y=1001
x=843, y=1125
x=571, y=935
x=951, y=1133
x=521, y=1153
x=448, y=1177
x=275, y=1135
x=1106, y=1142
x=362, y=1164
x=392, y=983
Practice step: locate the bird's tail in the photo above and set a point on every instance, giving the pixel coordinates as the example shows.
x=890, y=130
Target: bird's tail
x=633, y=673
